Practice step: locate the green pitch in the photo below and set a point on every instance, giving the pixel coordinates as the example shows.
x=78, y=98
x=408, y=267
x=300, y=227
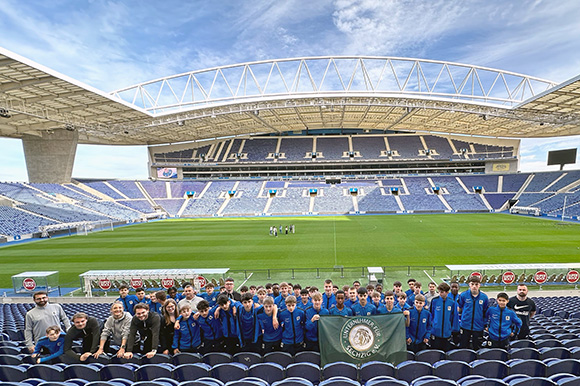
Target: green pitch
x=244, y=246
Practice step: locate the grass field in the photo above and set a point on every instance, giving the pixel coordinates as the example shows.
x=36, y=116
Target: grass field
x=420, y=241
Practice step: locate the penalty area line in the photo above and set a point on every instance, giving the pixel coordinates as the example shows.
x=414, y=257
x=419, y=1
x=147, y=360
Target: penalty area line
x=241, y=285
x=430, y=278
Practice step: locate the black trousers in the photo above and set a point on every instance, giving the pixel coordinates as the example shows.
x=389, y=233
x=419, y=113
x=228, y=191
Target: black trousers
x=476, y=338
x=439, y=343
x=292, y=349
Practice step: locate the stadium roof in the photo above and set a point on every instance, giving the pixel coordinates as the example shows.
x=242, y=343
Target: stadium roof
x=276, y=96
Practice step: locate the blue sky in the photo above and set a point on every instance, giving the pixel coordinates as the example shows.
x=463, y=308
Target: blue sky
x=113, y=44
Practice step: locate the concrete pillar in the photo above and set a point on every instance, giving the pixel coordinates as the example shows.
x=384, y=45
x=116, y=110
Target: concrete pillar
x=50, y=158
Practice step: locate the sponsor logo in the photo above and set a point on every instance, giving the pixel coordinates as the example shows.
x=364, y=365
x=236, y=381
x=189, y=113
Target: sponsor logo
x=507, y=318
x=136, y=283
x=540, y=277
x=199, y=282
x=448, y=308
x=520, y=307
x=105, y=284
x=29, y=284
x=167, y=283
x=572, y=277
x=508, y=277
x=481, y=302
x=361, y=338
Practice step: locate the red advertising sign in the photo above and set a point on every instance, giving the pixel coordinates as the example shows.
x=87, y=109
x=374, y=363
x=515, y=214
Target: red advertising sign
x=136, y=283
x=541, y=277
x=167, y=283
x=29, y=284
x=572, y=277
x=105, y=284
x=508, y=277
x=199, y=282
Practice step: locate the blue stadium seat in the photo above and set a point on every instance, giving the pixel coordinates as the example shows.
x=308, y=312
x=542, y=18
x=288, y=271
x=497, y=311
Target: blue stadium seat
x=111, y=371
x=484, y=382
x=522, y=343
x=497, y=354
x=374, y=369
x=307, y=356
x=279, y=357
x=10, y=373
x=153, y=371
x=524, y=353
x=155, y=359
x=489, y=368
x=410, y=370
x=185, y=357
x=534, y=381
x=340, y=369
x=51, y=373
x=247, y=358
x=216, y=358
x=269, y=372
x=453, y=370
x=571, y=382
x=462, y=354
x=531, y=367
x=570, y=366
x=293, y=381
x=339, y=381
x=306, y=370
x=385, y=381
x=8, y=359
x=434, y=382
x=554, y=352
x=191, y=371
x=515, y=377
x=430, y=356
x=88, y=372
x=226, y=372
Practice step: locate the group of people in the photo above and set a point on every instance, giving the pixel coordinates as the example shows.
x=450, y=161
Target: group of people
x=272, y=317
x=275, y=231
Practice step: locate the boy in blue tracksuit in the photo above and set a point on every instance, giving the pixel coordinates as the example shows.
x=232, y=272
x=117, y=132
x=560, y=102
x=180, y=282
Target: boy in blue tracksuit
x=51, y=346
x=230, y=328
x=402, y=299
x=210, y=295
x=472, y=306
x=304, y=300
x=502, y=322
x=270, y=327
x=328, y=298
x=142, y=298
x=419, y=327
x=250, y=334
x=444, y=318
x=339, y=308
x=129, y=301
x=293, y=320
x=210, y=328
x=363, y=308
x=312, y=316
x=187, y=338
x=390, y=306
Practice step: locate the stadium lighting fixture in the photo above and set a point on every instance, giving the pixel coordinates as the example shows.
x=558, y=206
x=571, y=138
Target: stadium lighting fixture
x=4, y=113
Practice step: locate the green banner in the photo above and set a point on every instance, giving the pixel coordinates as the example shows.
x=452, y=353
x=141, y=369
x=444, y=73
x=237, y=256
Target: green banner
x=360, y=339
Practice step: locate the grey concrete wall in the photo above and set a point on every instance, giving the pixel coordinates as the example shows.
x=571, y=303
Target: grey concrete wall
x=50, y=158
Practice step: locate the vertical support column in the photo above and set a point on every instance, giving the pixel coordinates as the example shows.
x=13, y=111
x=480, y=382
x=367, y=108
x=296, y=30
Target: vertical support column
x=50, y=157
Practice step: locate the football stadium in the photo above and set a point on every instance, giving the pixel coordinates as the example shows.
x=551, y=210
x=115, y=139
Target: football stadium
x=285, y=198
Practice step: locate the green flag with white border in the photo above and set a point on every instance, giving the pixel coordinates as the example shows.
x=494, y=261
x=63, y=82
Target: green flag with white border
x=360, y=339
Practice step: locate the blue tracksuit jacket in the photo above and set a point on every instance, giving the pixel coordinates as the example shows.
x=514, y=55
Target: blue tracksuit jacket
x=129, y=302
x=269, y=333
x=444, y=316
x=419, y=326
x=502, y=322
x=367, y=310
x=344, y=312
x=473, y=310
x=55, y=348
x=188, y=335
x=292, y=326
x=312, y=327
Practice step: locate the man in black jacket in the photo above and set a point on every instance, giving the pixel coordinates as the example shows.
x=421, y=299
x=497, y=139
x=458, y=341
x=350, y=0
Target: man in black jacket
x=232, y=294
x=87, y=329
x=147, y=324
